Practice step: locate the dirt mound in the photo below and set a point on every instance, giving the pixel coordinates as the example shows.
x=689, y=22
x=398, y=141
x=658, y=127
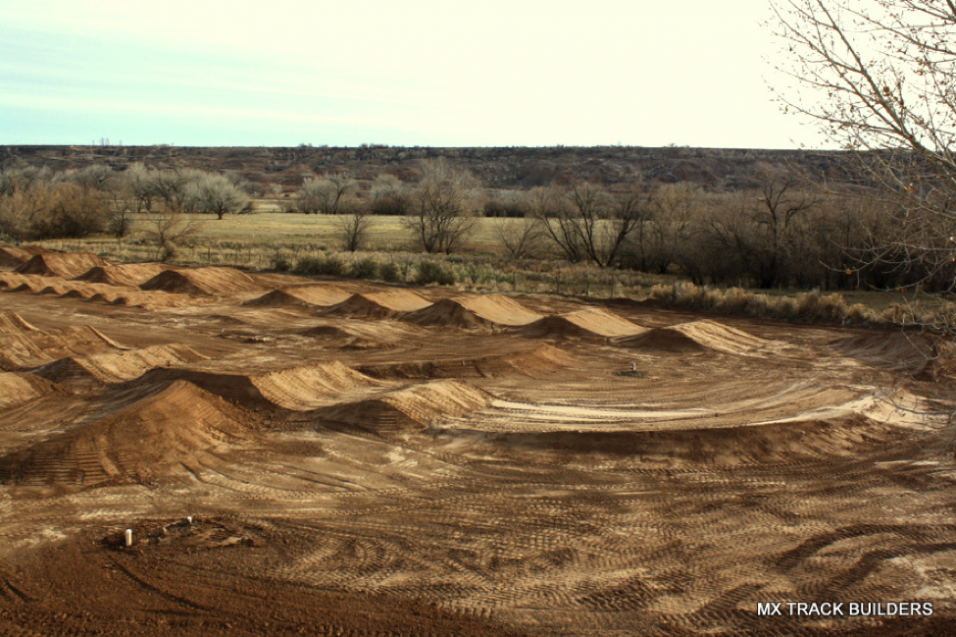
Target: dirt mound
x=149, y=300
x=720, y=337
x=301, y=296
x=389, y=304
x=13, y=323
x=67, y=265
x=35, y=348
x=542, y=359
x=15, y=256
x=499, y=309
x=104, y=297
x=202, y=281
x=161, y=434
x=58, y=289
x=473, y=312
x=913, y=353
x=116, y=366
x=587, y=323
x=295, y=389
x=32, y=283
x=662, y=339
x=697, y=336
x=447, y=313
x=411, y=409
x=127, y=274
x=304, y=388
x=17, y=388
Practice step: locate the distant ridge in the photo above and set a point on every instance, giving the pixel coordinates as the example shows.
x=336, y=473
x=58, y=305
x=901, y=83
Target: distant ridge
x=497, y=167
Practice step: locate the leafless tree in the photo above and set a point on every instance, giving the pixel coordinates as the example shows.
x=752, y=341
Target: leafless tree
x=214, y=194
x=663, y=238
x=323, y=195
x=354, y=223
x=24, y=207
x=519, y=237
x=171, y=231
x=879, y=78
x=389, y=196
x=589, y=223
x=441, y=214
x=90, y=178
x=552, y=211
x=18, y=176
x=783, y=198
x=139, y=186
x=169, y=187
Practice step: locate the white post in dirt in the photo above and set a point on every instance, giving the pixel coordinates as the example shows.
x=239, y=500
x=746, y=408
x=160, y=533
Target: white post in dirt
x=129, y=537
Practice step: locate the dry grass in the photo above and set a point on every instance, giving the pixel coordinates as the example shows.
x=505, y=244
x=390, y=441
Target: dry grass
x=264, y=240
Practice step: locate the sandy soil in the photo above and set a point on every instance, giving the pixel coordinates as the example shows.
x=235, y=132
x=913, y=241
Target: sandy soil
x=365, y=460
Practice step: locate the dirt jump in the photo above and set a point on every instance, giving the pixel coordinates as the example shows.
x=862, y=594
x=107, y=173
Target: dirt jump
x=207, y=451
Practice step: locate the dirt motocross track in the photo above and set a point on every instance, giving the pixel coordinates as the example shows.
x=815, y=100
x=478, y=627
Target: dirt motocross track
x=365, y=460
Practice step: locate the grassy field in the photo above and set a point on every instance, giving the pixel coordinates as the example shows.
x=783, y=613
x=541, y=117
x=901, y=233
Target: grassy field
x=277, y=229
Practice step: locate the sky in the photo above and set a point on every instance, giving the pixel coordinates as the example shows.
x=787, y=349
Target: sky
x=413, y=73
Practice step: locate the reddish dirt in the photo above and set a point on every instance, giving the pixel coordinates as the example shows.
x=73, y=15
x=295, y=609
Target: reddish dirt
x=14, y=257
x=366, y=460
x=66, y=265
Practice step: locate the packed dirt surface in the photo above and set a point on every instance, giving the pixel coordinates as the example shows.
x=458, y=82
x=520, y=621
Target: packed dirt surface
x=296, y=456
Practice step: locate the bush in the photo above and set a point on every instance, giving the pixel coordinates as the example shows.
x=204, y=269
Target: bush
x=308, y=266
x=389, y=272
x=686, y=293
x=280, y=263
x=434, y=272
x=735, y=301
x=859, y=314
x=395, y=205
x=785, y=307
x=661, y=292
x=332, y=266
x=814, y=307
x=366, y=268
x=479, y=273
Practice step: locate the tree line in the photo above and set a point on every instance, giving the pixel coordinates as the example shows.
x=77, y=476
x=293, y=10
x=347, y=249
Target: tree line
x=791, y=231
x=36, y=203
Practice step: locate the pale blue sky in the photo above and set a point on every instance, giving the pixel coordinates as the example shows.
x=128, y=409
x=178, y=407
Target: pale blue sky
x=403, y=73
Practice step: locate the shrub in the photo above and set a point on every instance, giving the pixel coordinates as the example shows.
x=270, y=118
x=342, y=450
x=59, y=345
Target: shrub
x=814, y=307
x=661, y=292
x=785, y=307
x=479, y=273
x=759, y=305
x=901, y=314
x=308, y=266
x=686, y=293
x=831, y=308
x=332, y=266
x=434, y=272
x=365, y=268
x=735, y=301
x=859, y=314
x=389, y=272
